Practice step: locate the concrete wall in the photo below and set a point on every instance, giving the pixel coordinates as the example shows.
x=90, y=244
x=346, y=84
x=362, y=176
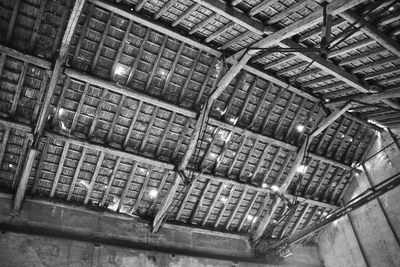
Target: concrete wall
x=369, y=235
x=52, y=234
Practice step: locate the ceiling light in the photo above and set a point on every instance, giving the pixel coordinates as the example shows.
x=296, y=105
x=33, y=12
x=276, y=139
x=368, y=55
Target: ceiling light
x=391, y=8
x=153, y=193
x=302, y=168
x=119, y=70
x=264, y=185
x=300, y=127
x=275, y=188
x=224, y=200
x=327, y=100
x=233, y=120
x=61, y=112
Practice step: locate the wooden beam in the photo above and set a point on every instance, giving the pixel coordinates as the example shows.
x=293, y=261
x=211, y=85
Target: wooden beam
x=24, y=57
x=20, y=193
x=293, y=171
x=373, y=32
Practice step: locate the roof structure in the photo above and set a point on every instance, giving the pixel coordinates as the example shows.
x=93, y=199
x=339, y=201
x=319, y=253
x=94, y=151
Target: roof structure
x=160, y=110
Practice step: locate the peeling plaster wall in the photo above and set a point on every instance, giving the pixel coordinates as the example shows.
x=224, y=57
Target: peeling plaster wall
x=369, y=235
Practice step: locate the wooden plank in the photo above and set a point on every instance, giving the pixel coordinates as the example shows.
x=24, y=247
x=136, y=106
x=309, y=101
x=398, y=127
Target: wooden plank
x=173, y=67
x=140, y=5
x=264, y=5
x=289, y=10
x=79, y=107
x=36, y=25
x=210, y=145
x=311, y=34
x=97, y=113
x=210, y=72
x=94, y=177
x=40, y=166
x=238, y=84
x=40, y=95
x=319, y=183
x=199, y=203
x=248, y=157
x=76, y=173
x=115, y=119
x=259, y=212
x=142, y=190
x=295, y=119
x=260, y=162
x=260, y=103
x=13, y=19
x=247, y=212
x=18, y=90
x=235, y=209
x=21, y=190
x=235, y=158
x=250, y=92
x=121, y=49
x=129, y=92
x=149, y=127
x=59, y=169
x=181, y=138
x=4, y=141
x=156, y=63
x=189, y=77
x=362, y=56
x=213, y=203
x=236, y=40
x=21, y=162
x=299, y=219
x=60, y=29
x=127, y=184
x=225, y=205
x=101, y=43
x=164, y=9
x=270, y=108
x=278, y=61
x=110, y=182
x=138, y=56
x=166, y=132
x=185, y=199
x=287, y=223
x=220, y=31
x=84, y=30
x=185, y=14
x=281, y=169
x=284, y=113
x=349, y=48
x=202, y=23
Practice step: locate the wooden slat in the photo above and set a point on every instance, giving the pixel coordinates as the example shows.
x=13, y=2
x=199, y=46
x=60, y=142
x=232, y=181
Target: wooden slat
x=142, y=190
x=238, y=203
x=84, y=30
x=140, y=5
x=101, y=43
x=260, y=103
x=220, y=31
x=36, y=26
x=121, y=49
x=210, y=145
x=97, y=113
x=76, y=173
x=202, y=23
x=270, y=165
x=94, y=177
x=210, y=72
x=164, y=9
x=18, y=90
x=247, y=212
x=299, y=219
x=284, y=113
x=127, y=184
x=149, y=128
x=189, y=77
x=21, y=190
x=115, y=119
x=59, y=169
x=213, y=203
x=172, y=69
x=260, y=162
x=40, y=166
x=156, y=63
x=199, y=203
x=250, y=92
x=13, y=19
x=261, y=7
x=236, y=40
x=235, y=158
x=225, y=205
x=4, y=141
x=159, y=190
x=79, y=107
x=259, y=212
x=185, y=199
x=238, y=84
x=289, y=10
x=185, y=14
x=110, y=182
x=138, y=56
x=181, y=138
x=166, y=132
x=248, y=157
x=295, y=119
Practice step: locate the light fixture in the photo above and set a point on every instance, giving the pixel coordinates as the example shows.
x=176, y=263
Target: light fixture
x=119, y=70
x=153, y=193
x=300, y=127
x=233, y=120
x=61, y=112
x=302, y=168
x=350, y=139
x=224, y=200
x=264, y=185
x=327, y=100
x=391, y=8
x=275, y=188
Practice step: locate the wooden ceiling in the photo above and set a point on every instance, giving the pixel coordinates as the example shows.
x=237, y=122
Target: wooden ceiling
x=112, y=100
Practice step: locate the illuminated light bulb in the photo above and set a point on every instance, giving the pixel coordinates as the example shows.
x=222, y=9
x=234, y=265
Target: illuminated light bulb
x=119, y=70
x=273, y=221
x=61, y=112
x=325, y=213
x=327, y=100
x=391, y=8
x=63, y=126
x=10, y=165
x=334, y=184
x=264, y=185
x=300, y=128
x=302, y=168
x=341, y=135
x=275, y=188
x=251, y=218
x=224, y=200
x=233, y=120
x=350, y=139
x=153, y=193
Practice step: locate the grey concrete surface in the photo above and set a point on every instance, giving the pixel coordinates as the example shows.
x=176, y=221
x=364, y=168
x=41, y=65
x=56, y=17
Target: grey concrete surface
x=376, y=225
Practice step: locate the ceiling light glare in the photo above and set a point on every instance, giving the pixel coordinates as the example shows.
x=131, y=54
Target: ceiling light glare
x=153, y=193
x=119, y=70
x=275, y=188
x=300, y=127
x=224, y=200
x=302, y=168
x=264, y=185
